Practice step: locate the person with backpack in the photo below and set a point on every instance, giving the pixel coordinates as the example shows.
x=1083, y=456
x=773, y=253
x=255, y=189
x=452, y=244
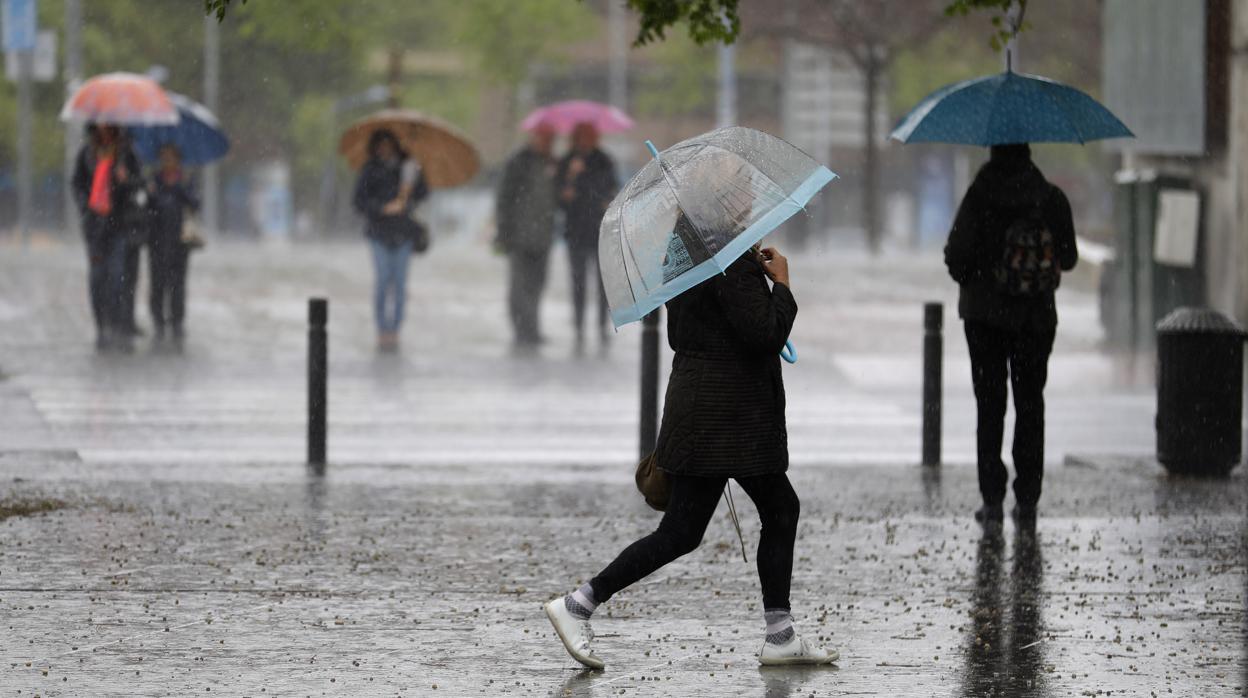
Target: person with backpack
x=1012, y=238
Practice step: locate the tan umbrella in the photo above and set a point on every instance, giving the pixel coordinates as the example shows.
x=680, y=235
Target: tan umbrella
x=445, y=154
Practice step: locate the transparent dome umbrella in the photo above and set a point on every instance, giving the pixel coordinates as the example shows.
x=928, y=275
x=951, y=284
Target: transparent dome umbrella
x=694, y=210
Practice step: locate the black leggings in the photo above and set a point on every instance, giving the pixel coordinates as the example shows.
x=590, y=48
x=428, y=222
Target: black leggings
x=693, y=502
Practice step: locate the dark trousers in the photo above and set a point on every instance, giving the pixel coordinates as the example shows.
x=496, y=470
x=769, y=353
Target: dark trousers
x=584, y=261
x=106, y=262
x=527, y=269
x=130, y=284
x=693, y=501
x=167, y=262
x=1023, y=357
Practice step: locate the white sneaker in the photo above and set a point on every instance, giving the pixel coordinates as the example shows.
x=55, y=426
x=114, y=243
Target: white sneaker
x=796, y=651
x=574, y=632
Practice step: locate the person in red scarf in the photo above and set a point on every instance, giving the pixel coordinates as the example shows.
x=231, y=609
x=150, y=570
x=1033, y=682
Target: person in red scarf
x=105, y=181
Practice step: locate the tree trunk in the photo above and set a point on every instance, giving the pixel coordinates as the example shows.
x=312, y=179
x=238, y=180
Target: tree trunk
x=870, y=176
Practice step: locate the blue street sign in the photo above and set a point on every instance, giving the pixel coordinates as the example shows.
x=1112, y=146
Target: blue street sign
x=20, y=25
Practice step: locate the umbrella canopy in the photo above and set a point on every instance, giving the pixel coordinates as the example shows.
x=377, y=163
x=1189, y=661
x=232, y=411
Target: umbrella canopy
x=1009, y=108
x=694, y=210
x=445, y=154
x=123, y=99
x=564, y=116
x=197, y=135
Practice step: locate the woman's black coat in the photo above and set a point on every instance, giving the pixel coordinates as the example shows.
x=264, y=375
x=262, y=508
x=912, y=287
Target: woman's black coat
x=724, y=411
x=124, y=210
x=378, y=185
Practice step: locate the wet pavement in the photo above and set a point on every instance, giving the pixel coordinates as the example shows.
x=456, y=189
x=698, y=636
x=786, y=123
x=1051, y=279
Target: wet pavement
x=188, y=550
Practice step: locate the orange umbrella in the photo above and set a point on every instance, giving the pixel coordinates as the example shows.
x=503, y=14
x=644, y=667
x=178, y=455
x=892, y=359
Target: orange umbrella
x=445, y=154
x=123, y=99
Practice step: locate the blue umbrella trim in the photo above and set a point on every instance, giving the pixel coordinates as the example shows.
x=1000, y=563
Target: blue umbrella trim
x=738, y=246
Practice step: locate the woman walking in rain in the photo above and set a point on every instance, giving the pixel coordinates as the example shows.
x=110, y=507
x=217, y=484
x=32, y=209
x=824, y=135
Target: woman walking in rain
x=105, y=181
x=389, y=187
x=723, y=419
x=169, y=254
x=587, y=183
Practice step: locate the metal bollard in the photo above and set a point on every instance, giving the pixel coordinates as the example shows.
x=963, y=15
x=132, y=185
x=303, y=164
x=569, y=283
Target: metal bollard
x=318, y=370
x=933, y=353
x=649, y=383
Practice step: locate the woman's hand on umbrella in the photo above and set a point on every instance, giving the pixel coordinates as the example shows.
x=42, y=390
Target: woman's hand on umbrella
x=394, y=208
x=775, y=265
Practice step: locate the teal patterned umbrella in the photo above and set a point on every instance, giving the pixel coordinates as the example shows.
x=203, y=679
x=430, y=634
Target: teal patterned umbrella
x=1009, y=108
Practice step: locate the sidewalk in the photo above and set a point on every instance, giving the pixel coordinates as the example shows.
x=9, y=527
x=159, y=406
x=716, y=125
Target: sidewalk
x=190, y=552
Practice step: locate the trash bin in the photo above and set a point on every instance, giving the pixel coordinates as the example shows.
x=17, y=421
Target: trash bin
x=1200, y=373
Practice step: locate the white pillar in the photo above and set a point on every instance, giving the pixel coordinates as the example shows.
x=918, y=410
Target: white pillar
x=726, y=97
x=25, y=174
x=212, y=84
x=73, y=78
x=617, y=46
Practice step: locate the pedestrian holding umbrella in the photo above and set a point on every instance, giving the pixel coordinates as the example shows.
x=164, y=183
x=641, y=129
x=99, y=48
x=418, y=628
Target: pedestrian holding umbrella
x=108, y=188
x=401, y=154
x=1012, y=238
x=681, y=233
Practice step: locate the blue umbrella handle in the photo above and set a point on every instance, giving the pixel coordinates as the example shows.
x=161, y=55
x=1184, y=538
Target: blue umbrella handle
x=789, y=352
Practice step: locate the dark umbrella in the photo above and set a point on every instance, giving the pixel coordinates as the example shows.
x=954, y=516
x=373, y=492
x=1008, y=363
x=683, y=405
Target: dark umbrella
x=197, y=135
x=1009, y=108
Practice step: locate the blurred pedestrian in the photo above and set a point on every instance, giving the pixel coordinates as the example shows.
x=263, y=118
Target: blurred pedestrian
x=1011, y=240
x=386, y=193
x=105, y=182
x=172, y=196
x=587, y=184
x=135, y=221
x=723, y=418
x=525, y=213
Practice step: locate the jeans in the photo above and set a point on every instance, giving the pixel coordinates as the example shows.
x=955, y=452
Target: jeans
x=168, y=260
x=106, y=263
x=390, y=291
x=584, y=261
x=524, y=295
x=1023, y=358
x=692, y=503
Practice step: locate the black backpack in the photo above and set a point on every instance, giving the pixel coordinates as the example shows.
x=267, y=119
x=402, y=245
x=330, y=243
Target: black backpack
x=1028, y=265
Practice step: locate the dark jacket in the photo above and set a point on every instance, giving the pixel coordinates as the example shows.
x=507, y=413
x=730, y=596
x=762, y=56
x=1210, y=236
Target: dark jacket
x=525, y=207
x=595, y=187
x=168, y=204
x=1008, y=187
x=123, y=193
x=378, y=185
x=724, y=411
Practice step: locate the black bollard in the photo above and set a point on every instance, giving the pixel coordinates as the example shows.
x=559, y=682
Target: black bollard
x=318, y=370
x=649, y=382
x=933, y=353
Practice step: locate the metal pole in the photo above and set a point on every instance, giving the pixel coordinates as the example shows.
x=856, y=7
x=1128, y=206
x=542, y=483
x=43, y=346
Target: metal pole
x=933, y=354
x=212, y=90
x=649, y=382
x=726, y=97
x=25, y=105
x=73, y=78
x=318, y=370
x=617, y=51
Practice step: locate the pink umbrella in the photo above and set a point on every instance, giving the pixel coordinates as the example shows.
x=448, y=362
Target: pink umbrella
x=564, y=116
